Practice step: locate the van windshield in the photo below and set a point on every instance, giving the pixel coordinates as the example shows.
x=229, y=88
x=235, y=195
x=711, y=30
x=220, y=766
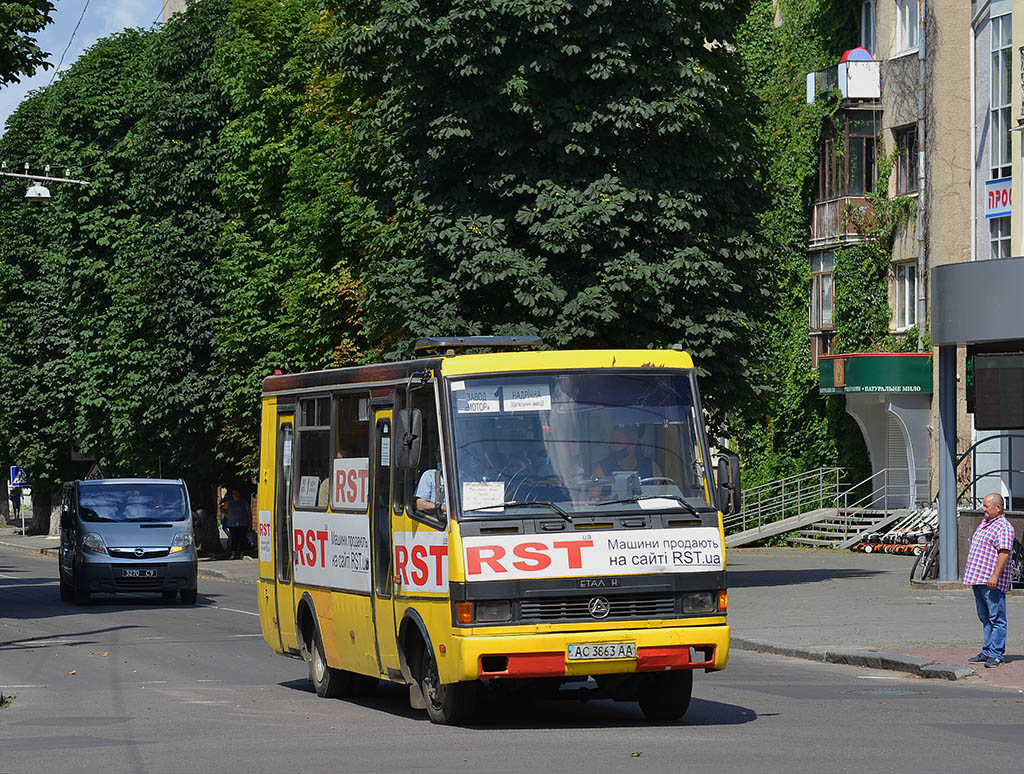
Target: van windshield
x=132, y=502
x=586, y=441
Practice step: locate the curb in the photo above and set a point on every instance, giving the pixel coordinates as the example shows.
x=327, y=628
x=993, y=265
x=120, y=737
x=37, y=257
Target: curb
x=872, y=659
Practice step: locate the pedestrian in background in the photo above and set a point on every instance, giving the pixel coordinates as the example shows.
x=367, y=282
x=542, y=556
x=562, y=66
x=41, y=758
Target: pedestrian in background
x=988, y=572
x=237, y=520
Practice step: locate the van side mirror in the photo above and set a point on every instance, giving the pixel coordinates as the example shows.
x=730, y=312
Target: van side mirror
x=67, y=518
x=409, y=435
x=729, y=500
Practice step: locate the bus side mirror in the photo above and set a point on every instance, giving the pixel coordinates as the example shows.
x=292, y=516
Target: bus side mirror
x=409, y=434
x=729, y=502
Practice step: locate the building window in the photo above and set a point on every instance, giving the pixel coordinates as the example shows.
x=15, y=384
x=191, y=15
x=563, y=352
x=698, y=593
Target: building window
x=850, y=172
x=906, y=21
x=999, y=237
x=821, y=290
x=1002, y=79
x=906, y=295
x=906, y=170
x=867, y=25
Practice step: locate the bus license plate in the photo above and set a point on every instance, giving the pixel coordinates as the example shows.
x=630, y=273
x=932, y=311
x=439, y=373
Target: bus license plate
x=593, y=650
x=131, y=572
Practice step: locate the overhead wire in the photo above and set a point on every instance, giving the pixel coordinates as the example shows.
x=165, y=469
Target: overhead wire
x=70, y=41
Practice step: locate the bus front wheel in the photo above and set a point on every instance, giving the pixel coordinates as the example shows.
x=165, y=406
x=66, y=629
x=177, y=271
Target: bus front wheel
x=665, y=695
x=448, y=704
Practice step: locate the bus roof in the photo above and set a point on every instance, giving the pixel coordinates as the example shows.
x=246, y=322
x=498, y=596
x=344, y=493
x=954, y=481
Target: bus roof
x=491, y=362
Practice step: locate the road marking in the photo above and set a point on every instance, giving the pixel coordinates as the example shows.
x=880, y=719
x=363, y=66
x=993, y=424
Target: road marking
x=8, y=687
x=9, y=577
x=877, y=677
x=246, y=635
x=199, y=701
x=233, y=610
x=154, y=638
x=209, y=681
x=153, y=682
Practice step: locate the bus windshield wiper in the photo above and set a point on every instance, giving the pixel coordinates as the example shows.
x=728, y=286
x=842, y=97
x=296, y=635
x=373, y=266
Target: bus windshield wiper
x=638, y=498
x=524, y=504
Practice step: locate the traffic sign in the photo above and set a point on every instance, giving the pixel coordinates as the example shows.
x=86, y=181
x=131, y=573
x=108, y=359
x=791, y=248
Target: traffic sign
x=95, y=472
x=18, y=476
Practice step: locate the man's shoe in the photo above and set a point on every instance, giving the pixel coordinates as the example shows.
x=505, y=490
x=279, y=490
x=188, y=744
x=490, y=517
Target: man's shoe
x=993, y=662
x=981, y=658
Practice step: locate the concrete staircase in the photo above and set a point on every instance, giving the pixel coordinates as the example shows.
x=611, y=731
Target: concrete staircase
x=841, y=526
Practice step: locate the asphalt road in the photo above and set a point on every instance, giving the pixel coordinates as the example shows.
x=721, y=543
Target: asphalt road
x=132, y=684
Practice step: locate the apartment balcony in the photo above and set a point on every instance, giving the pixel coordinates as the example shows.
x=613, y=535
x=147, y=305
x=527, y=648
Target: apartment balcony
x=834, y=221
x=854, y=80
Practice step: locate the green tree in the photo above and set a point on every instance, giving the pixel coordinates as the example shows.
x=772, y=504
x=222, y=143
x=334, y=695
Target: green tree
x=19, y=52
x=578, y=170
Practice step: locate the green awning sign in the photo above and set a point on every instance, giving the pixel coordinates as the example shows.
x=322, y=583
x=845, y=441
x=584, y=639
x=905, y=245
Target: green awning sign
x=903, y=372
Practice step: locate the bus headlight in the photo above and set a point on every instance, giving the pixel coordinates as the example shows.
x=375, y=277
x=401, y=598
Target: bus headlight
x=699, y=602
x=181, y=542
x=91, y=541
x=493, y=611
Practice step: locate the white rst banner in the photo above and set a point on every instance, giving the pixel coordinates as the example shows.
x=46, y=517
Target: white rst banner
x=266, y=538
x=350, y=482
x=332, y=549
x=421, y=562
x=633, y=552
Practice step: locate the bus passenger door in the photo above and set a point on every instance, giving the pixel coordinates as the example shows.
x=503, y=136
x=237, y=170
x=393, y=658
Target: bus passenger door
x=283, y=562
x=383, y=591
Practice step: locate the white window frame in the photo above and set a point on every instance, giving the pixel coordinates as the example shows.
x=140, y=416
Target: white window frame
x=905, y=279
x=867, y=26
x=906, y=26
x=999, y=237
x=1001, y=77
x=822, y=309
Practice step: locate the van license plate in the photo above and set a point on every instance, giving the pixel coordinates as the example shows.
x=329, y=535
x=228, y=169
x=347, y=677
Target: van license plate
x=594, y=650
x=132, y=572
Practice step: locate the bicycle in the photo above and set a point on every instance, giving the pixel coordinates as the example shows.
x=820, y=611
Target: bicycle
x=926, y=564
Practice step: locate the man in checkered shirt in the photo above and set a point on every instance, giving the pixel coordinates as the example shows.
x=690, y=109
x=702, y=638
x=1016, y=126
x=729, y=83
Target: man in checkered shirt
x=988, y=573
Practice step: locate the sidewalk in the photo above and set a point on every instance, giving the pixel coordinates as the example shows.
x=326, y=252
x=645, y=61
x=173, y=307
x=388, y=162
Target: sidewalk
x=837, y=606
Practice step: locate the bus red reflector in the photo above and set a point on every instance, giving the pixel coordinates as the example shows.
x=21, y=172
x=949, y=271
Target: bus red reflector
x=526, y=665
x=667, y=657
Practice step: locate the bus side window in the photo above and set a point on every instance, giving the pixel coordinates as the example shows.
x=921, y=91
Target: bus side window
x=424, y=490
x=313, y=463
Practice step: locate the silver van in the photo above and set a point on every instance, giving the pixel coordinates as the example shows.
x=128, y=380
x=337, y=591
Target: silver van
x=127, y=534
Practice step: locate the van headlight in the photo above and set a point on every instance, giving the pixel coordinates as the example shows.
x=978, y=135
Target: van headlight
x=92, y=541
x=182, y=542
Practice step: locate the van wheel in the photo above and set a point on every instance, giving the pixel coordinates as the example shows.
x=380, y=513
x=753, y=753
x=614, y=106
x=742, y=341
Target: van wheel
x=189, y=596
x=79, y=591
x=328, y=682
x=66, y=592
x=448, y=704
x=665, y=695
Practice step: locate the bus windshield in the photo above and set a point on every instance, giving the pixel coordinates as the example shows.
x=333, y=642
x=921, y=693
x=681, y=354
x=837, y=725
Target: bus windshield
x=585, y=441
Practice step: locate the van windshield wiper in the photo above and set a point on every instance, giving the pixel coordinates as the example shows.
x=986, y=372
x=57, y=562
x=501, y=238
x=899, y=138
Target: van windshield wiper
x=525, y=504
x=638, y=498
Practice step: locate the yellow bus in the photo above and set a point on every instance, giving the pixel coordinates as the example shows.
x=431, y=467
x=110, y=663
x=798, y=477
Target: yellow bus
x=496, y=518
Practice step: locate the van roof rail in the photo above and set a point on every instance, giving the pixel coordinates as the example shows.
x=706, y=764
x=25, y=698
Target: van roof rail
x=433, y=344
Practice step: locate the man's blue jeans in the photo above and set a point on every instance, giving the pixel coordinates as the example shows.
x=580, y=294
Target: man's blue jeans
x=992, y=614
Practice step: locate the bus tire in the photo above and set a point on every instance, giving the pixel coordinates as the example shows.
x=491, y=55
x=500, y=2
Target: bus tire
x=448, y=704
x=665, y=695
x=329, y=683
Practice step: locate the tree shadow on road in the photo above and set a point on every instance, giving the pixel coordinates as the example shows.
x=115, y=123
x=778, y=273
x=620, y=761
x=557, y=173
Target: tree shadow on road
x=755, y=578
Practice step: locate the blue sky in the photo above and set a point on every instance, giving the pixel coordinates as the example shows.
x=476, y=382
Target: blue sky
x=102, y=17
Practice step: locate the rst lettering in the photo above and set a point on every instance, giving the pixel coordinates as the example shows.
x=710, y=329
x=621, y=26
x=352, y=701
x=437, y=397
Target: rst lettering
x=421, y=565
x=310, y=547
x=476, y=558
x=534, y=556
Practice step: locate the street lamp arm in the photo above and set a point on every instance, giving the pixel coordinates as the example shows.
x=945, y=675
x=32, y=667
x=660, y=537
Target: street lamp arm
x=44, y=178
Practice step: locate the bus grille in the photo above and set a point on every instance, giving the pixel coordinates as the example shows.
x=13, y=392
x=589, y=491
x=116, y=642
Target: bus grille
x=575, y=608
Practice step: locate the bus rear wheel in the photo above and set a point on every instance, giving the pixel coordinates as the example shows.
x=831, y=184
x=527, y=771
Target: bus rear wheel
x=665, y=695
x=448, y=704
x=329, y=683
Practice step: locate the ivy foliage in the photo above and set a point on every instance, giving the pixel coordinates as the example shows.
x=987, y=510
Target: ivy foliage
x=19, y=52
x=580, y=171
x=792, y=429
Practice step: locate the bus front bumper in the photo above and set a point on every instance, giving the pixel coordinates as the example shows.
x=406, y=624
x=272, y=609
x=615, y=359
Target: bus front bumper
x=548, y=655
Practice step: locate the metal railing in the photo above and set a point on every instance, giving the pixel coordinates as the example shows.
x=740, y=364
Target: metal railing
x=972, y=453
x=790, y=496
x=887, y=490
